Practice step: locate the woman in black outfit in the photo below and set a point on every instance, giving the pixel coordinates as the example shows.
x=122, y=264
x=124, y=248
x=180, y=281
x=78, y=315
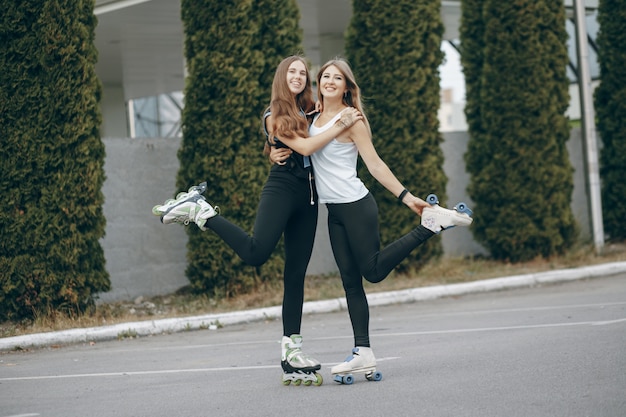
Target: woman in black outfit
x=288, y=206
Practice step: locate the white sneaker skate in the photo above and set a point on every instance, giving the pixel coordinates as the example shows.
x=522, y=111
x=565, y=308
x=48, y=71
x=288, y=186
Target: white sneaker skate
x=298, y=367
x=362, y=361
x=437, y=218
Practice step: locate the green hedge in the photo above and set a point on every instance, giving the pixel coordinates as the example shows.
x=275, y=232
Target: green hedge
x=232, y=50
x=51, y=173
x=515, y=57
x=395, y=55
x=610, y=104
x=472, y=48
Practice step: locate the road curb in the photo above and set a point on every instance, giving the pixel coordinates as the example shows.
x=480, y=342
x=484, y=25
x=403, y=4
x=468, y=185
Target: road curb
x=212, y=321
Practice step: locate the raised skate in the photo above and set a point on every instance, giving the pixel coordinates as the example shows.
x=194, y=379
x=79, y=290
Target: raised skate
x=437, y=218
x=186, y=208
x=161, y=209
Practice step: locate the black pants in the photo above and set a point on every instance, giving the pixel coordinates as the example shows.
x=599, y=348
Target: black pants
x=285, y=207
x=355, y=240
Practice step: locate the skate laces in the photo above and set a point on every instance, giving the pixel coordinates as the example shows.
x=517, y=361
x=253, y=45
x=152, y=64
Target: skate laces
x=186, y=214
x=294, y=351
x=297, y=356
x=294, y=354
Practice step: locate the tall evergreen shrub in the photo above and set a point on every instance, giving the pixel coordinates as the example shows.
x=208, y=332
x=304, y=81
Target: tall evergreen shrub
x=521, y=177
x=472, y=33
x=51, y=173
x=395, y=53
x=279, y=36
x=231, y=50
x=610, y=104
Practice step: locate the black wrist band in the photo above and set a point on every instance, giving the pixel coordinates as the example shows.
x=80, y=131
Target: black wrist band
x=402, y=194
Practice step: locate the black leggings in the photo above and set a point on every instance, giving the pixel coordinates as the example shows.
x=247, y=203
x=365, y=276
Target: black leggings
x=285, y=207
x=355, y=240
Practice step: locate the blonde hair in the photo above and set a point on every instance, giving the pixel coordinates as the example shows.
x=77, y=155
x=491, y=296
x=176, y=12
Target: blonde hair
x=352, y=97
x=288, y=120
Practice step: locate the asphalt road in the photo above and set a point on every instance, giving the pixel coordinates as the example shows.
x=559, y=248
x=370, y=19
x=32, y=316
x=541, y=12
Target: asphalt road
x=557, y=350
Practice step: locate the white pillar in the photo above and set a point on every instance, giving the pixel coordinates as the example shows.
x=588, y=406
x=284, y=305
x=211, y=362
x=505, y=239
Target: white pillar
x=588, y=127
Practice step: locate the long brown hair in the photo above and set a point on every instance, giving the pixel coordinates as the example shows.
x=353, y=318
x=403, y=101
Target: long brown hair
x=288, y=121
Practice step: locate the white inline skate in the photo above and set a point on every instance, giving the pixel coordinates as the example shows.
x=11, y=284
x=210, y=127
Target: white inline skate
x=437, y=218
x=361, y=361
x=187, y=207
x=298, y=367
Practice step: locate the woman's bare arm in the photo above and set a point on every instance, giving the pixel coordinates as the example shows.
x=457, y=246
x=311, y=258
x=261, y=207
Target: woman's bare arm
x=307, y=146
x=380, y=170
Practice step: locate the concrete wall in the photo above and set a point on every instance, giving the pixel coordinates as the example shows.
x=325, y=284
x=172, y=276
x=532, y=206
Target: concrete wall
x=143, y=256
x=147, y=258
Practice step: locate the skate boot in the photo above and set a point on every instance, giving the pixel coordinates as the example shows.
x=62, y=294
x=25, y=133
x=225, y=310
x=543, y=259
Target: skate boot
x=161, y=209
x=361, y=361
x=186, y=208
x=437, y=218
x=298, y=367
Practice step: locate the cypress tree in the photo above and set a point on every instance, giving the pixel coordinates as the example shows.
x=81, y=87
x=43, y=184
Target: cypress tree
x=472, y=47
x=51, y=173
x=395, y=53
x=521, y=177
x=610, y=104
x=279, y=36
x=231, y=49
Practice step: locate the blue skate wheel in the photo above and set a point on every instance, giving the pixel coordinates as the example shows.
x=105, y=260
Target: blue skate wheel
x=377, y=376
x=348, y=379
x=432, y=199
x=462, y=208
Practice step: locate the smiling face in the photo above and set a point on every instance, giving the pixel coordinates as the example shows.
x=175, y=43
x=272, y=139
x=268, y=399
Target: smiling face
x=332, y=83
x=296, y=77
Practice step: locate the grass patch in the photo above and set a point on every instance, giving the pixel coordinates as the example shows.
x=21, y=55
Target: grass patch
x=182, y=304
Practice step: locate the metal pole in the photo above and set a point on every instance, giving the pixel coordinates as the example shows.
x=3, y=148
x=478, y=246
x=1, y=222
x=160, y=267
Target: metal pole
x=588, y=126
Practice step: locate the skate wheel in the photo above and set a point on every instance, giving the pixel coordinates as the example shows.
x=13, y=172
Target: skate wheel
x=461, y=207
x=179, y=195
x=307, y=383
x=297, y=382
x=286, y=382
x=344, y=379
x=432, y=199
x=319, y=380
x=156, y=210
x=375, y=376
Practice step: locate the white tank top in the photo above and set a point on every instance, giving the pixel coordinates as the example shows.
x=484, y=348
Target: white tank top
x=335, y=169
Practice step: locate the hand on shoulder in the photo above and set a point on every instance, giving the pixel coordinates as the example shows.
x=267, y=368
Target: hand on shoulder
x=349, y=117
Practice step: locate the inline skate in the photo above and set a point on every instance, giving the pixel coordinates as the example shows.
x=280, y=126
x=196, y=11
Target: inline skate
x=298, y=367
